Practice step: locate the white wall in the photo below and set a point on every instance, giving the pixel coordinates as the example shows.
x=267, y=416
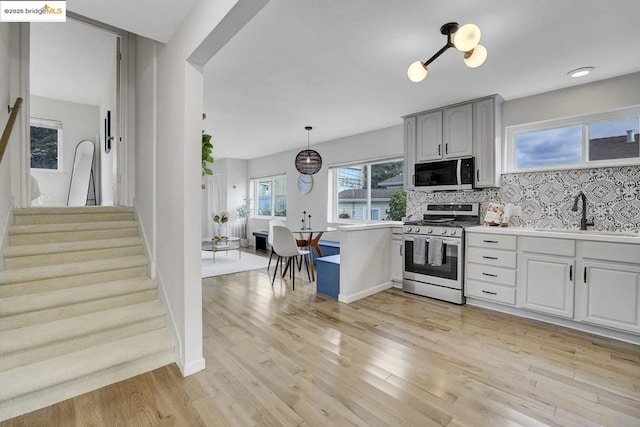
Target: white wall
x=5, y=168
x=596, y=97
x=382, y=143
x=79, y=122
x=146, y=141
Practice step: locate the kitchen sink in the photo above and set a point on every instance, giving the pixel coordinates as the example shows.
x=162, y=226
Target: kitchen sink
x=590, y=232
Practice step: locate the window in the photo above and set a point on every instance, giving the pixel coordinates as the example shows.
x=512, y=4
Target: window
x=607, y=139
x=46, y=144
x=364, y=191
x=269, y=196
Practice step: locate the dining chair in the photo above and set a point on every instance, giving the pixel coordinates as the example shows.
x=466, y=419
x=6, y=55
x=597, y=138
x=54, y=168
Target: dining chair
x=272, y=223
x=285, y=246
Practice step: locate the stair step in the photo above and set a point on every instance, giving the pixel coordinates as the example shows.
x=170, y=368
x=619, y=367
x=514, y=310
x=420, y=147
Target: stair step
x=33, y=343
x=72, y=236
x=81, y=245
x=8, y=277
x=67, y=210
x=12, y=306
x=15, y=230
x=13, y=263
x=46, y=285
x=53, y=218
x=39, y=376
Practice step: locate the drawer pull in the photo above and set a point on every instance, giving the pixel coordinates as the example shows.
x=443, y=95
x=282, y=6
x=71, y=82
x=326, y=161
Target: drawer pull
x=489, y=257
x=490, y=241
x=571, y=273
x=489, y=274
x=488, y=292
x=584, y=277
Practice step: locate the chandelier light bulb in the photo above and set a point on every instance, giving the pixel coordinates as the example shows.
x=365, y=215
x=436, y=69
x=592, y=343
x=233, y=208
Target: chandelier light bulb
x=467, y=37
x=417, y=72
x=476, y=57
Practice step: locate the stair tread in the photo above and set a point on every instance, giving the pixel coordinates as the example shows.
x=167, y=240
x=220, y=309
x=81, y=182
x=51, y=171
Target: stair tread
x=20, y=339
x=66, y=227
x=48, y=373
x=81, y=245
x=72, y=269
x=44, y=300
x=62, y=210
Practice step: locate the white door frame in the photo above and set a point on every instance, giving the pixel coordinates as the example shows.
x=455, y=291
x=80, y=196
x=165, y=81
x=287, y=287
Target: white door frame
x=123, y=133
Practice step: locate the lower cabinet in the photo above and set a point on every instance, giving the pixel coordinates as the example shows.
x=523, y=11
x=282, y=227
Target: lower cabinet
x=396, y=259
x=547, y=284
x=610, y=295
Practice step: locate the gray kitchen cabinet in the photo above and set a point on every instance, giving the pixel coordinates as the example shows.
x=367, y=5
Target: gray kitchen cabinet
x=547, y=273
x=397, y=266
x=429, y=137
x=409, y=151
x=487, y=141
x=457, y=131
x=608, y=286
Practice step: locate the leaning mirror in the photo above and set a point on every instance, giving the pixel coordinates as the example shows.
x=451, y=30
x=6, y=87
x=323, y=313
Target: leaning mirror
x=81, y=174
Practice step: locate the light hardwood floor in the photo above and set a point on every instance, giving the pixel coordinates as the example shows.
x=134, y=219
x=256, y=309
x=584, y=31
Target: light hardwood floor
x=276, y=357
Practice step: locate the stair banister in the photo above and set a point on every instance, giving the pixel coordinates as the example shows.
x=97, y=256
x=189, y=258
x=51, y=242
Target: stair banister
x=6, y=134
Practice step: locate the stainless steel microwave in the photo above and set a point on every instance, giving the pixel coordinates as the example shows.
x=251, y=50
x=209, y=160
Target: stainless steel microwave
x=456, y=174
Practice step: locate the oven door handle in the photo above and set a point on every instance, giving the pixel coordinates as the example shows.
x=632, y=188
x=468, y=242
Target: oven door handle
x=444, y=241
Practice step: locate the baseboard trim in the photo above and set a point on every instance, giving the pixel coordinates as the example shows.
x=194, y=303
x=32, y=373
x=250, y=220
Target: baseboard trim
x=363, y=294
x=170, y=321
x=4, y=232
x=192, y=367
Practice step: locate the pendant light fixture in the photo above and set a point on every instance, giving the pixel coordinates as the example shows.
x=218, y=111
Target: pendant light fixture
x=465, y=39
x=308, y=162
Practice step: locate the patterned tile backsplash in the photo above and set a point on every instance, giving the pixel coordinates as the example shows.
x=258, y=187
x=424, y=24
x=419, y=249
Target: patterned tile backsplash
x=546, y=198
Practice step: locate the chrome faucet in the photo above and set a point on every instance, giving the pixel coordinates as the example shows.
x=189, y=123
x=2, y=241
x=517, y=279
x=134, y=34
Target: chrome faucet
x=583, y=221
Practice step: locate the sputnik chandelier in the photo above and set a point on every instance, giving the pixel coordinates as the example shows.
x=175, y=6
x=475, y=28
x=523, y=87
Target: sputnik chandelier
x=465, y=39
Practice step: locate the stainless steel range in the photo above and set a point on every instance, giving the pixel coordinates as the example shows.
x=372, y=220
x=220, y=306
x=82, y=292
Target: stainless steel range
x=434, y=251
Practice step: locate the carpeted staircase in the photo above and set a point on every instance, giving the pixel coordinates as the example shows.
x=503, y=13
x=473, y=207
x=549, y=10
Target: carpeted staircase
x=78, y=310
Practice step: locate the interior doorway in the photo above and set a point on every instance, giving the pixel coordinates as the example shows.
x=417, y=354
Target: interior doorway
x=74, y=97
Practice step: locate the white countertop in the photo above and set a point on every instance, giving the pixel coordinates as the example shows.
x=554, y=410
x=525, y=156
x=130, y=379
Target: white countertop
x=593, y=235
x=370, y=226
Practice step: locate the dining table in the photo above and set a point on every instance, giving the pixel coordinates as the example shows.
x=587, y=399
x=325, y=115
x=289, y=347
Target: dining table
x=310, y=238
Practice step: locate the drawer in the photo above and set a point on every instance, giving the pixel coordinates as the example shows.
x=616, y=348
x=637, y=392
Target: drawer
x=496, y=241
x=492, y=257
x=497, y=293
x=619, y=252
x=548, y=246
x=487, y=273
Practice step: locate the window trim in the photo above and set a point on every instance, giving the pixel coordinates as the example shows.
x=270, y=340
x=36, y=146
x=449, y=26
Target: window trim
x=332, y=205
x=253, y=182
x=48, y=124
x=511, y=132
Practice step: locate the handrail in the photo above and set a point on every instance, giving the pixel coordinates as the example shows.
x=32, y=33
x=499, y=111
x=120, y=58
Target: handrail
x=4, y=141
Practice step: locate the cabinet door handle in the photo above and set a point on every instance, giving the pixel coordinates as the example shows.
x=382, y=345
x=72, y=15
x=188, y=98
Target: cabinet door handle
x=489, y=274
x=401, y=249
x=413, y=179
x=491, y=257
x=477, y=174
x=571, y=273
x=490, y=241
x=446, y=148
x=584, y=276
x=439, y=152
x=490, y=293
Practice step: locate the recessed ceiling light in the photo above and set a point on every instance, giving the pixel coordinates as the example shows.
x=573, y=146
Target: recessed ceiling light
x=580, y=72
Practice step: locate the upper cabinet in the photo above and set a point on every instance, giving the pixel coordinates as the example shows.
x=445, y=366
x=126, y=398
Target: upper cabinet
x=469, y=129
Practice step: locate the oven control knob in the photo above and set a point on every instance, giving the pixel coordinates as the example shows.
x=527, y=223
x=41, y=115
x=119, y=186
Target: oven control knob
x=453, y=232
x=416, y=230
x=409, y=229
x=429, y=230
x=443, y=232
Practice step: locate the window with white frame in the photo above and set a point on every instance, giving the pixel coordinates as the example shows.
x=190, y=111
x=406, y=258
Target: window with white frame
x=597, y=140
x=269, y=196
x=46, y=144
x=365, y=191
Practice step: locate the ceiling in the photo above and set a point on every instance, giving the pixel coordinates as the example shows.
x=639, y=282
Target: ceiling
x=340, y=66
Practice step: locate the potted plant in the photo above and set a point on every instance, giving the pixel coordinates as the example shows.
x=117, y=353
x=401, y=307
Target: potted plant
x=243, y=213
x=207, y=149
x=221, y=219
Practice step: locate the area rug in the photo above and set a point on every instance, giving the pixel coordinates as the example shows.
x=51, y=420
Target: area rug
x=228, y=262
